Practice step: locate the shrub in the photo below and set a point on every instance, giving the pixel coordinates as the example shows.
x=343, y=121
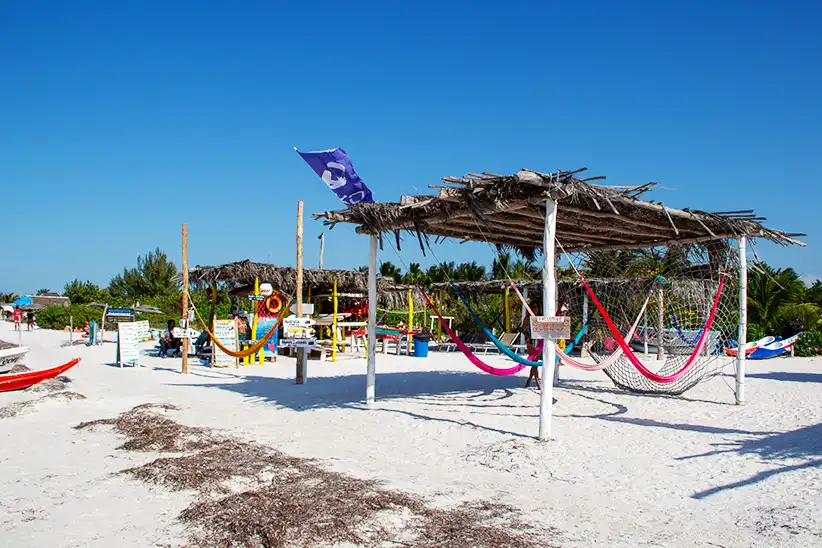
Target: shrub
x=809, y=344
x=755, y=332
x=57, y=317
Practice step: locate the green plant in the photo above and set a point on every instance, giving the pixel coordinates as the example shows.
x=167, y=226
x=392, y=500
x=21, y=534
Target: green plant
x=57, y=317
x=755, y=332
x=85, y=292
x=809, y=344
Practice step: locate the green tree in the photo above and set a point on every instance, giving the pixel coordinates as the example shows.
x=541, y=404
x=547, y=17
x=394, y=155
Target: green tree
x=469, y=272
x=415, y=275
x=84, y=292
x=390, y=270
x=43, y=291
x=8, y=297
x=440, y=273
x=154, y=276
x=776, y=300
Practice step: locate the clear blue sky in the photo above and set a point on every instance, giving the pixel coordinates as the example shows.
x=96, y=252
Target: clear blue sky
x=121, y=120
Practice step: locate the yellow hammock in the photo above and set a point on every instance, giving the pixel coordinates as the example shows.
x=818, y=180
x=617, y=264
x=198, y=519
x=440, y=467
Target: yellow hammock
x=253, y=349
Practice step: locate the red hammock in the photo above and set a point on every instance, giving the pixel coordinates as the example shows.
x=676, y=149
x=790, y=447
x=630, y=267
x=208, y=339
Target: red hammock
x=647, y=373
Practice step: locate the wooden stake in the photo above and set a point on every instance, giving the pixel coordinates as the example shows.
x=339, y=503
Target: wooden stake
x=185, y=297
x=507, y=307
x=334, y=308
x=300, y=351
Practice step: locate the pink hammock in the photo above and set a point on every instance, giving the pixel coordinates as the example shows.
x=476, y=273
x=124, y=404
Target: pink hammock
x=499, y=371
x=647, y=373
x=567, y=360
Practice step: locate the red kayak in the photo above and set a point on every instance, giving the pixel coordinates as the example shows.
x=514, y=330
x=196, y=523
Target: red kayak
x=29, y=378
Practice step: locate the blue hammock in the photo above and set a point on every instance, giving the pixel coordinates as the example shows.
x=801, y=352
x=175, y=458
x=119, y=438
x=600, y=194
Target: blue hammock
x=679, y=330
x=504, y=349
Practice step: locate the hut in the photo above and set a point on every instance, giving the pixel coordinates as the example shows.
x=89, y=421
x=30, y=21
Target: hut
x=529, y=211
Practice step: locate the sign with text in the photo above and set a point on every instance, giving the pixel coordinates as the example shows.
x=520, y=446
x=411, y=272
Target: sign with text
x=308, y=308
x=143, y=331
x=119, y=314
x=128, y=349
x=298, y=343
x=550, y=327
x=183, y=333
x=226, y=332
x=297, y=328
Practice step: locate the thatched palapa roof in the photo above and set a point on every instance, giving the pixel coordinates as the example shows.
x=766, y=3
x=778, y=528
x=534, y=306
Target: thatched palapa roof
x=509, y=210
x=284, y=278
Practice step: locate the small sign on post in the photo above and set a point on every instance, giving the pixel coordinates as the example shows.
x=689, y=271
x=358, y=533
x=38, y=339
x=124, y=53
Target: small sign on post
x=550, y=327
x=298, y=333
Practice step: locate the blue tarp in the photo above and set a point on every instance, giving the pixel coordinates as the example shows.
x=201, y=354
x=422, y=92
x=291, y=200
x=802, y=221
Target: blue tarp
x=23, y=301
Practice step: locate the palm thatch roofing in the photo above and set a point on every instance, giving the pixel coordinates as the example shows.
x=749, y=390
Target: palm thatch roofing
x=509, y=211
x=284, y=278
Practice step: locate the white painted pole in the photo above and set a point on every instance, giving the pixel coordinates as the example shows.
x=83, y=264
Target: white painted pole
x=371, y=375
x=549, y=297
x=743, y=322
x=660, y=320
x=585, y=307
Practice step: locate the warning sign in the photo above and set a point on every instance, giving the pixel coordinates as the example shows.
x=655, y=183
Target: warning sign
x=550, y=327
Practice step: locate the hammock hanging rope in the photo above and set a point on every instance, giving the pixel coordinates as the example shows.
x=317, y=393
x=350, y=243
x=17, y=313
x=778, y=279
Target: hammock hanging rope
x=499, y=371
x=636, y=362
x=251, y=350
x=679, y=330
x=499, y=344
x=565, y=359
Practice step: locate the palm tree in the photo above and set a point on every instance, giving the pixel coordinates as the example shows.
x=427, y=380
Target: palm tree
x=523, y=270
x=501, y=267
x=776, y=300
x=469, y=272
x=8, y=297
x=43, y=291
x=390, y=270
x=440, y=273
x=415, y=275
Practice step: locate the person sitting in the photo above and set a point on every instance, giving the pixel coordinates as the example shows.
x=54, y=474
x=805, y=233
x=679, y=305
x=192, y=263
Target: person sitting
x=86, y=329
x=168, y=341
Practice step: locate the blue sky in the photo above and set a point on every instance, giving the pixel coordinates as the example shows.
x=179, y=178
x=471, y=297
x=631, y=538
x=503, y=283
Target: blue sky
x=121, y=120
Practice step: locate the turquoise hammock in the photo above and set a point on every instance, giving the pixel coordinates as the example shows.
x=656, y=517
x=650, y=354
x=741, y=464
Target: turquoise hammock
x=504, y=349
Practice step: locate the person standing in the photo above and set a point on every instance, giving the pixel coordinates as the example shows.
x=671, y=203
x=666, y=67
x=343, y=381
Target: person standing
x=17, y=317
x=30, y=320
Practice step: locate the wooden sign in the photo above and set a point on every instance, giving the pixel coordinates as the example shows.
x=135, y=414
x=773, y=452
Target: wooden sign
x=550, y=327
x=128, y=348
x=226, y=332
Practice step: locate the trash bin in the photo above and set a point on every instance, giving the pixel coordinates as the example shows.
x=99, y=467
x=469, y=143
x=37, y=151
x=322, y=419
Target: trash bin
x=421, y=345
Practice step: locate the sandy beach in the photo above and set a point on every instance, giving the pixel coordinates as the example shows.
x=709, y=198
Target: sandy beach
x=623, y=469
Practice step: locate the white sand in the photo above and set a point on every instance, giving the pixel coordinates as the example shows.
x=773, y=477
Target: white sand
x=624, y=470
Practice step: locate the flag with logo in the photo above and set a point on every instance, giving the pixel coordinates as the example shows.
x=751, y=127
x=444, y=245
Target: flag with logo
x=336, y=170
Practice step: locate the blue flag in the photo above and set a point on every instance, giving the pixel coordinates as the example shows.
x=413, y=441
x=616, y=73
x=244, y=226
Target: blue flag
x=335, y=168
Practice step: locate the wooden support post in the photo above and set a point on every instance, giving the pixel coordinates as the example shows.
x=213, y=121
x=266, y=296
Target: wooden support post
x=301, y=355
x=410, y=321
x=507, y=308
x=549, y=284
x=71, y=331
x=334, y=309
x=645, y=331
x=185, y=297
x=371, y=373
x=660, y=335
x=742, y=335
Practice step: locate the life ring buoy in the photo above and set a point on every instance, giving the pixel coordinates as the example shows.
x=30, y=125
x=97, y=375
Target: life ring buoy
x=273, y=303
